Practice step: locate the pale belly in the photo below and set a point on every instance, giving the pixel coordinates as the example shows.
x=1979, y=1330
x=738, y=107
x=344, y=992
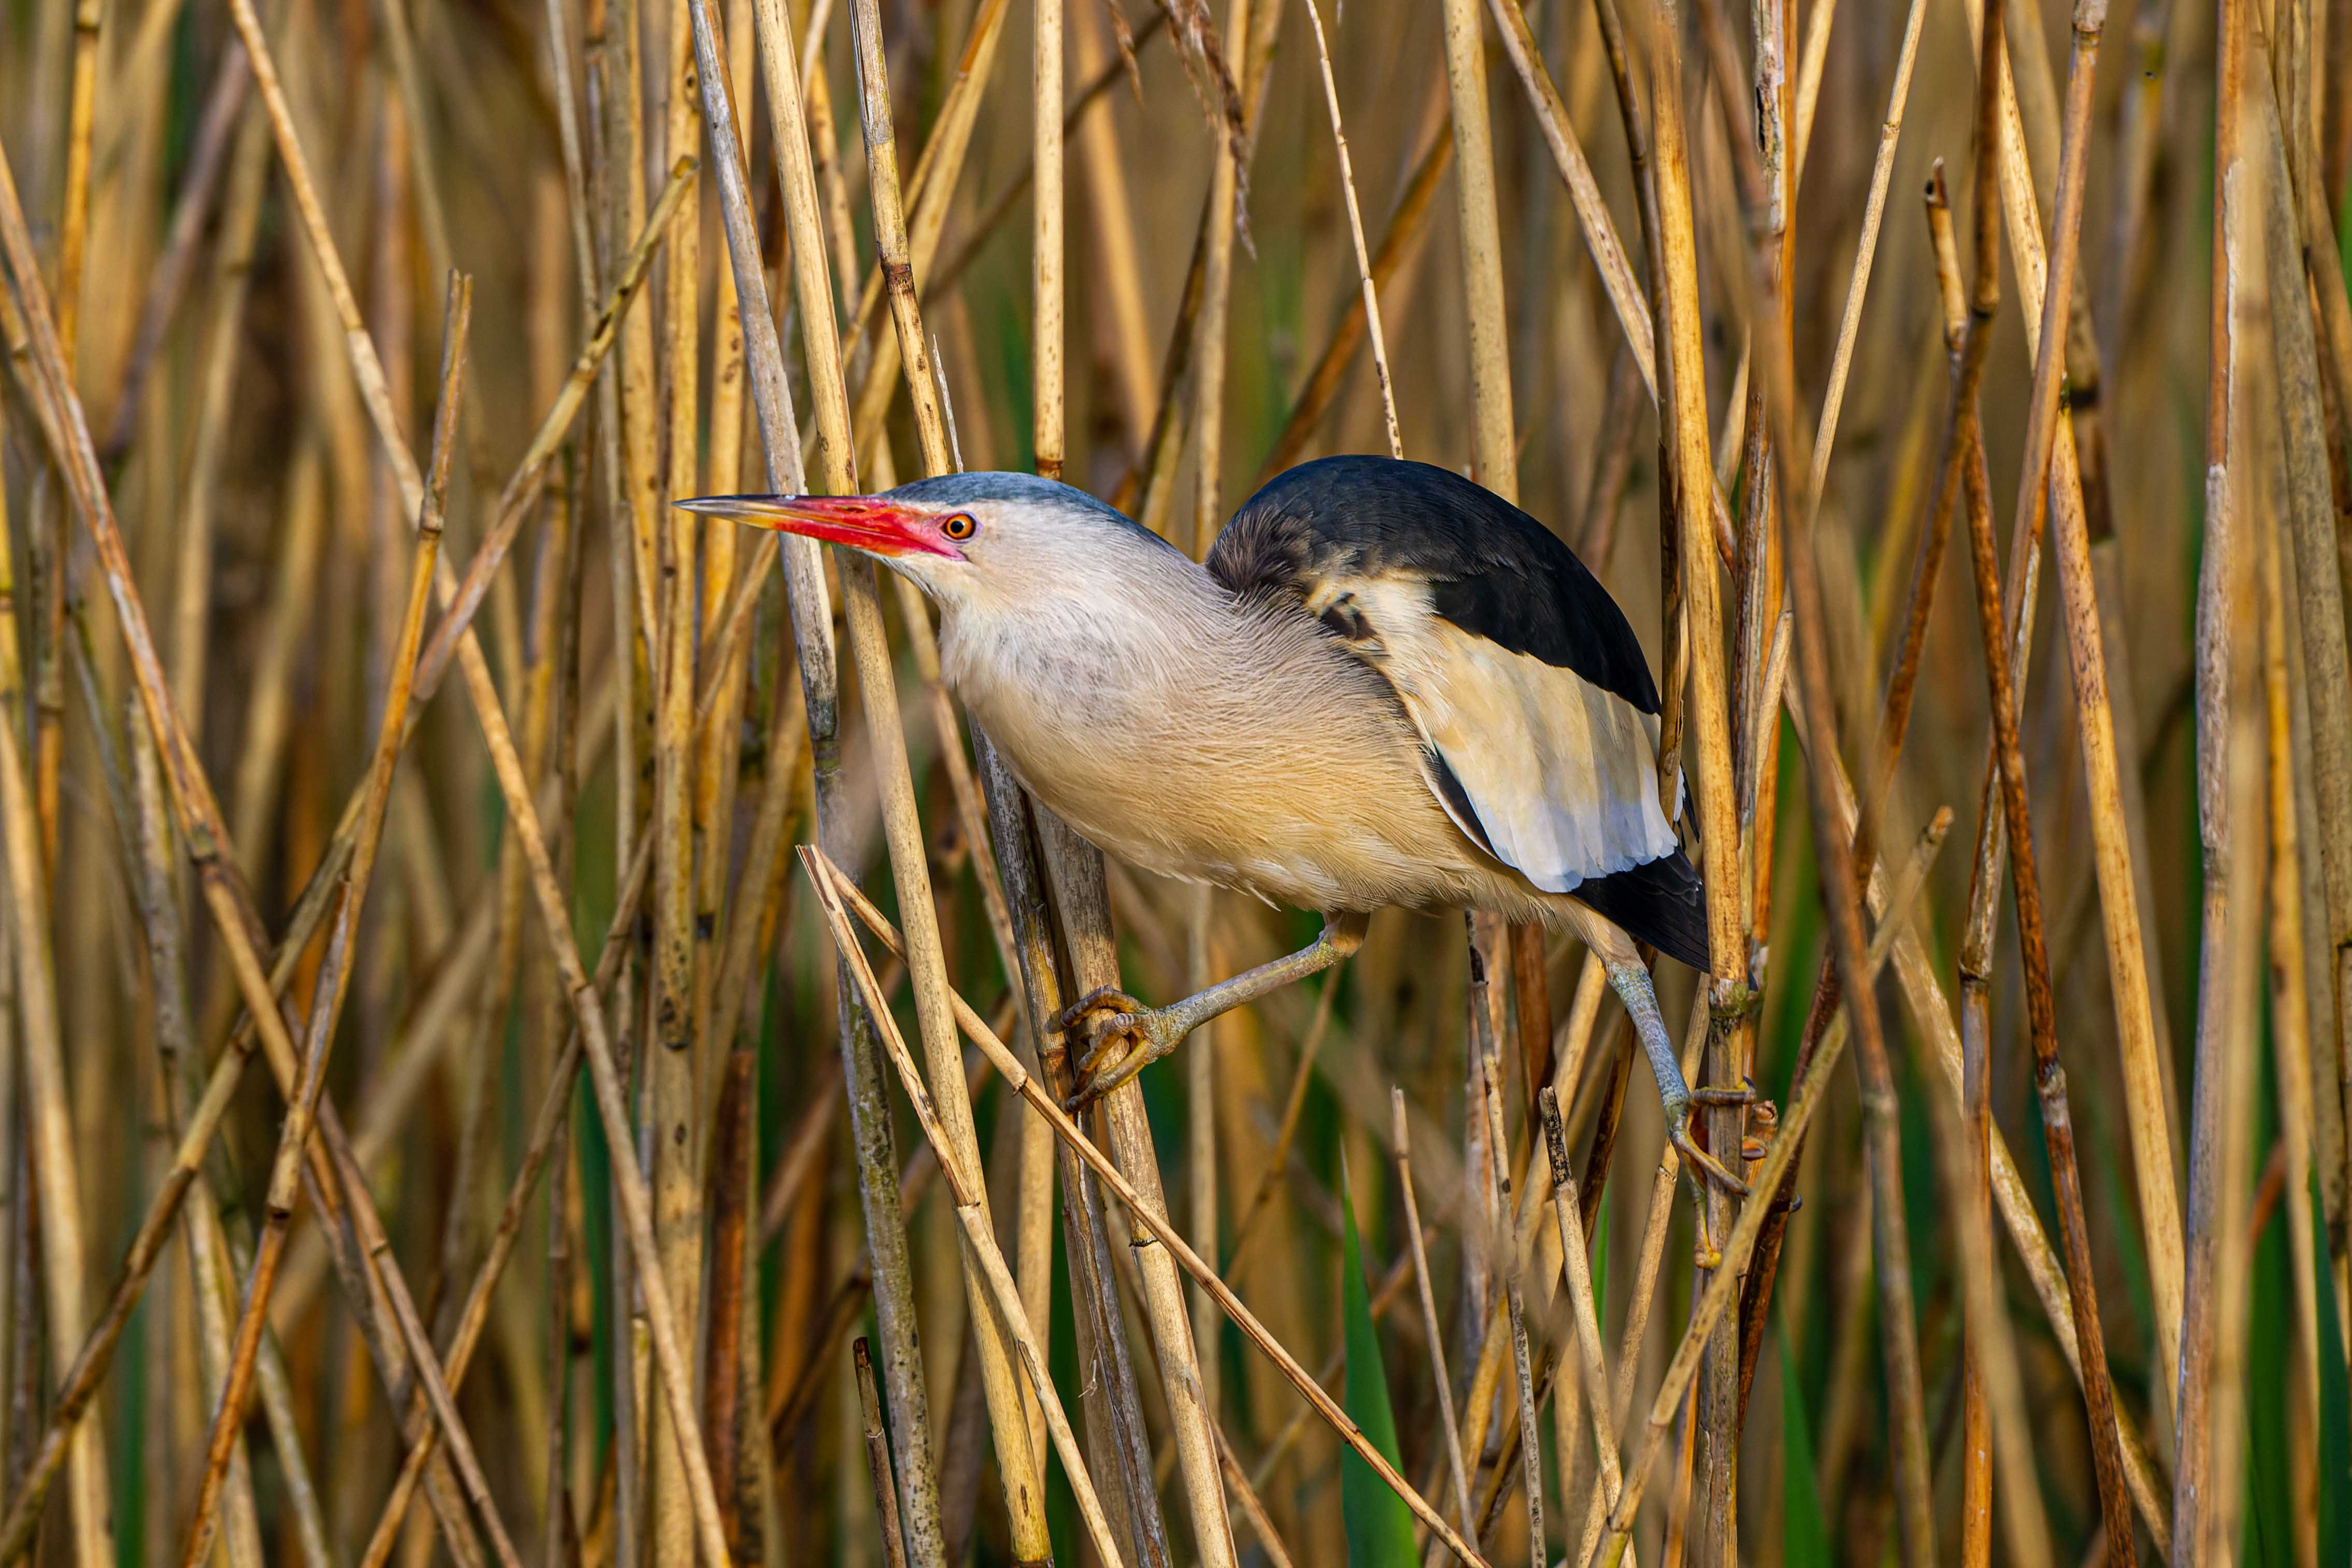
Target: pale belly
x=1330, y=815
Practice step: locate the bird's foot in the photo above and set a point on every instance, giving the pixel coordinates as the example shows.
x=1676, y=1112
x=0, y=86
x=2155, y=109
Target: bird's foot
x=1706, y=1256
x=1112, y=1037
x=1702, y=1163
x=1742, y=1093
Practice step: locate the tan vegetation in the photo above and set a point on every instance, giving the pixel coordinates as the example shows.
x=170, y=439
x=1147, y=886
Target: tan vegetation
x=347, y=342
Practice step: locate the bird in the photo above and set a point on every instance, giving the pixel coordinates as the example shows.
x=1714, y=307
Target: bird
x=1386, y=686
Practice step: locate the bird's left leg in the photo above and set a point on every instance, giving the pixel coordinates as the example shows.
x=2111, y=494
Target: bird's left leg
x=1675, y=1093
x=1115, y=1037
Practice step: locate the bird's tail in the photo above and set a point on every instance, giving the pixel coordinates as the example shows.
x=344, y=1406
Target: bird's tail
x=1662, y=903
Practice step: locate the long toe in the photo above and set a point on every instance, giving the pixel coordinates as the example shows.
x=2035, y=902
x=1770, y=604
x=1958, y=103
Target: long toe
x=1744, y=1093
x=1101, y=999
x=1706, y=1165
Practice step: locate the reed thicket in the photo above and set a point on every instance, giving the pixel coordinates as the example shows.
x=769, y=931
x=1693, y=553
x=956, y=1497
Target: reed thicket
x=604, y=1110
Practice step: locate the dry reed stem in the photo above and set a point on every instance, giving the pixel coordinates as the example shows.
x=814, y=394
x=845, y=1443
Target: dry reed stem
x=332, y=987
x=1021, y=1465
x=2318, y=568
x=1803, y=1100
x=1046, y=243
x=1591, y=1381
x=1220, y=222
x=1035, y=1217
x=2290, y=994
x=1494, y=461
x=1356, y=234
x=1397, y=241
x=1019, y=1079
x=877, y=1461
x=547, y=1126
x=1116, y=1435
x=1442, y=1379
x=2041, y=1018
x=2150, y=1119
x=1684, y=514
x=812, y=639
x=2208, y=1492
x=159, y=911
x=671, y=1097
x=1881, y=173
x=47, y=1135
x=982, y=1256
x=1498, y=1174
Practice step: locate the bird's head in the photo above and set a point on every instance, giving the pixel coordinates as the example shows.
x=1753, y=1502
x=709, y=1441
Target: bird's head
x=970, y=540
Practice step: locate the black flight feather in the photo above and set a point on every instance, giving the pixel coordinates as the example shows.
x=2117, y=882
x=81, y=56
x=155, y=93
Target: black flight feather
x=1663, y=902
x=1492, y=570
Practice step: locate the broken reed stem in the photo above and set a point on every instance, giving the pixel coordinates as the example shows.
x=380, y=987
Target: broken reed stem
x=877, y=1459
x=1016, y=1078
x=1444, y=1380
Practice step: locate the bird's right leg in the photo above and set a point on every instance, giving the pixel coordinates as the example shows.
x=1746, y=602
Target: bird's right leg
x=1115, y=1037
x=1633, y=986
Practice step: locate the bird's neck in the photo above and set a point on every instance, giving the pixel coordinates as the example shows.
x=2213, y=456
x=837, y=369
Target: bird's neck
x=1094, y=641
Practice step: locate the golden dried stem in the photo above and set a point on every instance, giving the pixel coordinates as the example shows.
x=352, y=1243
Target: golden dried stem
x=1018, y=1079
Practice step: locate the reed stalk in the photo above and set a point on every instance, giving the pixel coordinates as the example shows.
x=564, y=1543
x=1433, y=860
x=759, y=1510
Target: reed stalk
x=1020, y=1081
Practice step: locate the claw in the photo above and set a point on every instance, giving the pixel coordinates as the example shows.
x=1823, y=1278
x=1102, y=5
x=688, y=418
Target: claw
x=1112, y=1031
x=1704, y=1164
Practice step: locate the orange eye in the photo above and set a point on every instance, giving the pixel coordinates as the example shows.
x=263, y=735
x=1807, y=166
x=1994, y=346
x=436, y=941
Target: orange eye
x=959, y=526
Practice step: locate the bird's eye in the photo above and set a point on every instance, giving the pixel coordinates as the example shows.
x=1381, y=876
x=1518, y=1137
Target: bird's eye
x=959, y=526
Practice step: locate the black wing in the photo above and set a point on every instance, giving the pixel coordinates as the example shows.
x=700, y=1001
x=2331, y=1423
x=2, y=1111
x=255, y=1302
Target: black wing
x=1663, y=902
x=1492, y=570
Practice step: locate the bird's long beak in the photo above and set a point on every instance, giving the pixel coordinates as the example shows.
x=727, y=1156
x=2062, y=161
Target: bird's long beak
x=875, y=524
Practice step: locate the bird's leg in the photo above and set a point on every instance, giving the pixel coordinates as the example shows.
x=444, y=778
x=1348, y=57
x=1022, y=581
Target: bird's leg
x=1633, y=983
x=1114, y=1037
